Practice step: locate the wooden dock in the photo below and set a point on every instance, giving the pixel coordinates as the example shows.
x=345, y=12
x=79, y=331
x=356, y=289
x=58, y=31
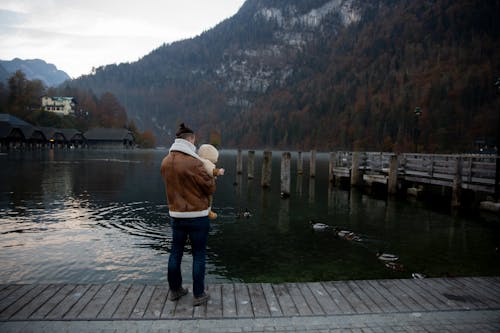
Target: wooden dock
x=77, y=302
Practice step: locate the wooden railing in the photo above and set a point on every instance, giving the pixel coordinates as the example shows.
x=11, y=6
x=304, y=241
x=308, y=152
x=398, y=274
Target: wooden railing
x=474, y=172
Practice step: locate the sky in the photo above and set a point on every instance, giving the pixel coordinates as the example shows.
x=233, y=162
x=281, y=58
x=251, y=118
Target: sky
x=77, y=35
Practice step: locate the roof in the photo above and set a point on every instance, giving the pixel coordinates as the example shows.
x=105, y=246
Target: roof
x=53, y=133
x=71, y=133
x=5, y=129
x=8, y=118
x=108, y=134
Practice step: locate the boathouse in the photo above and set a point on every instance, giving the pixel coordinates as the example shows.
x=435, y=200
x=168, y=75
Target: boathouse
x=15, y=132
x=109, y=138
x=18, y=134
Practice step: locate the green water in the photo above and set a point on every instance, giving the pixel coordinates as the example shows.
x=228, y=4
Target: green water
x=94, y=216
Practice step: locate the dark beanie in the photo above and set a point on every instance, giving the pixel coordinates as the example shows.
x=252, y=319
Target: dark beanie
x=183, y=130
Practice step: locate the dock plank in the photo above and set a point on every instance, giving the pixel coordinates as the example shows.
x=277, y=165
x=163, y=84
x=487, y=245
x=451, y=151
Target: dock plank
x=486, y=299
x=342, y=305
x=6, y=291
x=228, y=301
x=323, y=297
x=243, y=302
x=436, y=302
x=67, y=303
x=479, y=287
x=285, y=300
x=393, y=300
x=259, y=305
x=22, y=301
x=377, y=297
x=36, y=302
x=92, y=309
x=298, y=299
x=156, y=303
x=436, y=291
x=200, y=311
x=214, y=310
x=129, y=302
x=13, y=295
x=459, y=293
x=142, y=303
x=183, y=307
x=311, y=300
x=113, y=302
x=53, y=301
x=487, y=285
x=271, y=300
x=168, y=310
x=399, y=296
x=417, y=296
x=366, y=304
x=360, y=302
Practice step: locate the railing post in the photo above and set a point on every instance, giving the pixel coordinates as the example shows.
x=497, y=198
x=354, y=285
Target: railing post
x=356, y=177
x=312, y=164
x=251, y=164
x=392, y=181
x=266, y=169
x=497, y=177
x=331, y=166
x=300, y=164
x=285, y=175
x=457, y=184
x=239, y=162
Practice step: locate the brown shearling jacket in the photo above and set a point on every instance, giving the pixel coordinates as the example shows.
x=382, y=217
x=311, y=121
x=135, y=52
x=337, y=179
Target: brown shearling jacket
x=187, y=184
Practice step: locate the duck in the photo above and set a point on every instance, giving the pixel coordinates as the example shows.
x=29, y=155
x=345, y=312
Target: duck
x=387, y=256
x=342, y=233
x=394, y=266
x=319, y=226
x=245, y=214
x=418, y=275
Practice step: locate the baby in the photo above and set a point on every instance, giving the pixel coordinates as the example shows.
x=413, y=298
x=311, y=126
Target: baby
x=209, y=156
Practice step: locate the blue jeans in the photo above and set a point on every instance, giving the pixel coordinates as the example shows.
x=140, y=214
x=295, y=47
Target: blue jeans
x=197, y=230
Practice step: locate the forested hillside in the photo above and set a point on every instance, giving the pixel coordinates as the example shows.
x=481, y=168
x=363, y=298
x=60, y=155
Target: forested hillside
x=341, y=74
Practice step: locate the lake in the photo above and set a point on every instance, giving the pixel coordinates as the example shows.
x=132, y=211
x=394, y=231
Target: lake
x=83, y=216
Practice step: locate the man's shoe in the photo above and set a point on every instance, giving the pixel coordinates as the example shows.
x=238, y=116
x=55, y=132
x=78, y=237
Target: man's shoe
x=176, y=294
x=200, y=300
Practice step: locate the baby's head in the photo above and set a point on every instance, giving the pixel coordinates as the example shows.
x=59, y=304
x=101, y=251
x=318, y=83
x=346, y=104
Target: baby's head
x=209, y=152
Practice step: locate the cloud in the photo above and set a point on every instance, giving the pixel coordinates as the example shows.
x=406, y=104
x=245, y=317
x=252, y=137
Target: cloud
x=78, y=35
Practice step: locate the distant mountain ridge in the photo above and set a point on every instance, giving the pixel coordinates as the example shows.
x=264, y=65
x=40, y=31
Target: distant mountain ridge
x=342, y=74
x=35, y=69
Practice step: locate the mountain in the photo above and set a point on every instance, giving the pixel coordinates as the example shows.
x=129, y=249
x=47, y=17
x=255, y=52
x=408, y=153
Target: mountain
x=324, y=74
x=4, y=75
x=36, y=69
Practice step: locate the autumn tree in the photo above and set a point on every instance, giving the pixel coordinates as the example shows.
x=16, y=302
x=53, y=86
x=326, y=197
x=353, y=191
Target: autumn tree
x=24, y=95
x=110, y=113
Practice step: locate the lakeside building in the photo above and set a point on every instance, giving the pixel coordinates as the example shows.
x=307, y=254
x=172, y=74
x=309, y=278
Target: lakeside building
x=109, y=138
x=62, y=106
x=18, y=134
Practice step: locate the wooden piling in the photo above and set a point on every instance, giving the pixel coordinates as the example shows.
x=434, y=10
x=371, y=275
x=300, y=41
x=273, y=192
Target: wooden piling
x=457, y=184
x=239, y=162
x=266, y=169
x=285, y=174
x=300, y=164
x=392, y=181
x=356, y=175
x=331, y=166
x=312, y=164
x=251, y=164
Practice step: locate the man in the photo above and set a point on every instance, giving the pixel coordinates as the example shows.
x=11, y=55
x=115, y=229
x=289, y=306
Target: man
x=188, y=187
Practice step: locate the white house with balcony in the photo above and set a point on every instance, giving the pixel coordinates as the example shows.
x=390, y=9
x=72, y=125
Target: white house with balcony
x=62, y=106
